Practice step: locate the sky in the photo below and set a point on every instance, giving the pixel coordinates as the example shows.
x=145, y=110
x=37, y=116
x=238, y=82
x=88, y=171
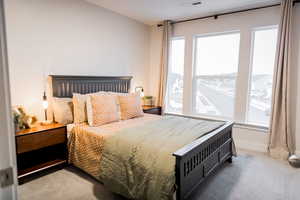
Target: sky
x=217, y=54
x=265, y=42
x=177, y=56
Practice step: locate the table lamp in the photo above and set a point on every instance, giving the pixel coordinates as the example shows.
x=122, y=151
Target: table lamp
x=45, y=106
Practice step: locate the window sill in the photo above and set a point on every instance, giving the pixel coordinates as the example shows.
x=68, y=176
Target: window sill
x=252, y=127
x=196, y=117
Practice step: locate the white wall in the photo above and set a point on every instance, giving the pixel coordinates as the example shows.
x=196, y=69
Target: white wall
x=245, y=137
x=70, y=37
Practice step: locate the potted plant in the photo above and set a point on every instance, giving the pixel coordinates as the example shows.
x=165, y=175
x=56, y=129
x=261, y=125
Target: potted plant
x=148, y=100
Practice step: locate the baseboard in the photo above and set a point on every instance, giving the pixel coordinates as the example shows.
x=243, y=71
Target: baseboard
x=240, y=144
x=250, y=139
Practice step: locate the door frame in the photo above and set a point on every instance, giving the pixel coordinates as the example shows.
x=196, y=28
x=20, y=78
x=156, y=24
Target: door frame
x=8, y=136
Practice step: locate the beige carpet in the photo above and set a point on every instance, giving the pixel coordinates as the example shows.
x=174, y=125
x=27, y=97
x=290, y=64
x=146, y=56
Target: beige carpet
x=251, y=176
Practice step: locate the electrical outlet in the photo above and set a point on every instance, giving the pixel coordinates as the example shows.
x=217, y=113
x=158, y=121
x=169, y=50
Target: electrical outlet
x=6, y=177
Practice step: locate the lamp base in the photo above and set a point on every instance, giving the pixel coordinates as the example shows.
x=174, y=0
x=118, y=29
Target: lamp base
x=46, y=122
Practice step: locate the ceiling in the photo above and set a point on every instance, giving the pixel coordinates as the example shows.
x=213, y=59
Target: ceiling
x=154, y=11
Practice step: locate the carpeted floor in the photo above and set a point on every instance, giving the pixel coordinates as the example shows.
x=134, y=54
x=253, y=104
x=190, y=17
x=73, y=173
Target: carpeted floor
x=251, y=176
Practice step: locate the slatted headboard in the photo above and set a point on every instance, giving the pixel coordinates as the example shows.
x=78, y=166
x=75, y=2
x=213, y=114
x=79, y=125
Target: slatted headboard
x=65, y=86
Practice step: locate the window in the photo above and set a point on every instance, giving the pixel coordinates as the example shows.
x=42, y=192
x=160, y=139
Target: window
x=263, y=58
x=215, y=72
x=215, y=75
x=174, y=95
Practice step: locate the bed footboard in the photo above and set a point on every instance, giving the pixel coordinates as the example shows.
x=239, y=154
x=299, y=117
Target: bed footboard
x=195, y=161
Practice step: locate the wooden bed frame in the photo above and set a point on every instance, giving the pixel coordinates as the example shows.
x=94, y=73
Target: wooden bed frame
x=194, y=162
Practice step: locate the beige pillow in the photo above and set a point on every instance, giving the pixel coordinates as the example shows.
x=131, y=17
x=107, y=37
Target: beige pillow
x=79, y=103
x=104, y=109
x=89, y=108
x=62, y=110
x=131, y=106
x=117, y=94
x=80, y=109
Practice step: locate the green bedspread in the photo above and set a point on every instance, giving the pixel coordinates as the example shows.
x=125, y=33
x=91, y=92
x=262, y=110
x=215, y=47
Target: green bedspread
x=138, y=163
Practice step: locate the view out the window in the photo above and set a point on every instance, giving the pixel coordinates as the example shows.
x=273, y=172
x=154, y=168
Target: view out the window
x=263, y=58
x=216, y=66
x=174, y=95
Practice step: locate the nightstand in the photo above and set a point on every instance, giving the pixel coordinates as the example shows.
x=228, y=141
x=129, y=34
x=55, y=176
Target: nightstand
x=156, y=110
x=41, y=148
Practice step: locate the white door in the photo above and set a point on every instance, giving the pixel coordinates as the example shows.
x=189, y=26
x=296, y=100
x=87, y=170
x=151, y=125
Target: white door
x=7, y=143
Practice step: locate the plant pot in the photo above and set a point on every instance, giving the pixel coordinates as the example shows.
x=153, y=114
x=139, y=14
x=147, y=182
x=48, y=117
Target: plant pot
x=148, y=101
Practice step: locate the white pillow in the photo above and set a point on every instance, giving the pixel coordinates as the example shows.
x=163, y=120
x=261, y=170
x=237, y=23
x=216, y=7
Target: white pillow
x=62, y=110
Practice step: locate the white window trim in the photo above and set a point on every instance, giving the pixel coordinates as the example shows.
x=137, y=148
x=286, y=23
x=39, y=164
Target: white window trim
x=193, y=103
x=217, y=33
x=254, y=127
x=243, y=81
x=188, y=77
x=168, y=71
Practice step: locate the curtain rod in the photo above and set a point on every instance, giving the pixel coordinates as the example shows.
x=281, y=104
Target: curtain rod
x=215, y=16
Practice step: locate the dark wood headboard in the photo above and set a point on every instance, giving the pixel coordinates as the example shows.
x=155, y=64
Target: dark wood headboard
x=65, y=86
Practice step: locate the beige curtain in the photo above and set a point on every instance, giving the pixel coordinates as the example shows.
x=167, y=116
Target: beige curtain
x=167, y=33
x=280, y=141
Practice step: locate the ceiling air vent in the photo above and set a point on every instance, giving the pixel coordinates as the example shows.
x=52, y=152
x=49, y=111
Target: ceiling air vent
x=197, y=3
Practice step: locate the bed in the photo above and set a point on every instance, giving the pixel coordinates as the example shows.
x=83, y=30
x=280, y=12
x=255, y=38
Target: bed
x=192, y=163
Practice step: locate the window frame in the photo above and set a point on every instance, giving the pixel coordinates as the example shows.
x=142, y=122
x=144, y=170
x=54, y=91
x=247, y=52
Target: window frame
x=168, y=71
x=253, y=30
x=194, y=78
x=244, y=75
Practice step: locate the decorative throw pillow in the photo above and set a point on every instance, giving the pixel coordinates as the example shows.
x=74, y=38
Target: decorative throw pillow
x=117, y=94
x=79, y=103
x=104, y=109
x=80, y=109
x=130, y=106
x=89, y=107
x=62, y=110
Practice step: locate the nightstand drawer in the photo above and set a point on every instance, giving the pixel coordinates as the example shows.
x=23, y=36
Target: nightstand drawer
x=40, y=140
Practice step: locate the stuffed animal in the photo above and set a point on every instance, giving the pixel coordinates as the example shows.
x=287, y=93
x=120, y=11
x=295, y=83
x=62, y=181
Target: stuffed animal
x=21, y=119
